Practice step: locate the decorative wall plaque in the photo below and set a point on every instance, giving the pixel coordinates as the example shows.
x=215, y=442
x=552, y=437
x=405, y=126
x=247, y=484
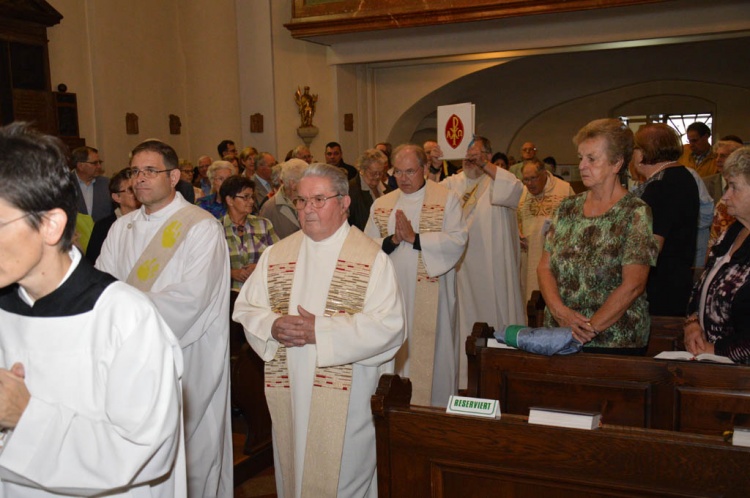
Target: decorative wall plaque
x=175, y=125
x=348, y=122
x=131, y=123
x=256, y=123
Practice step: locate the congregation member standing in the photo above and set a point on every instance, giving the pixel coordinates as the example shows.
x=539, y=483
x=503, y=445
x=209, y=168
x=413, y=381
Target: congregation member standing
x=279, y=209
x=489, y=288
x=672, y=193
x=176, y=253
x=90, y=397
x=599, y=248
x=92, y=187
x=420, y=225
x=323, y=310
x=366, y=186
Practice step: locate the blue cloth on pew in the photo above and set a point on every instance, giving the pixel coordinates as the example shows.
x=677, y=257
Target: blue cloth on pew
x=542, y=340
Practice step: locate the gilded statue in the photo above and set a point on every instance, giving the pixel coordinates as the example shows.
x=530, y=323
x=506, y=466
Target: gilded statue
x=306, y=105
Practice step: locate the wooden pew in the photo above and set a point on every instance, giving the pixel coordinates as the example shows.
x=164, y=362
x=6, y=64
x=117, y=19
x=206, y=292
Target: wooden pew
x=634, y=391
x=424, y=453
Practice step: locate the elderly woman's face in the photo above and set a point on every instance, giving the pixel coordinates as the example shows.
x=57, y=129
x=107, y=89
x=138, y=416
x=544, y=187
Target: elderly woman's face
x=737, y=197
x=242, y=203
x=595, y=167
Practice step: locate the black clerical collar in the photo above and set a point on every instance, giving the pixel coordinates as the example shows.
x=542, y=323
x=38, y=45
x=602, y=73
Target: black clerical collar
x=77, y=295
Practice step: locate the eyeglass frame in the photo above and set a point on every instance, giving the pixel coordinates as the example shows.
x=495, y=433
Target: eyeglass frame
x=245, y=197
x=3, y=225
x=411, y=173
x=313, y=200
x=148, y=173
x=98, y=162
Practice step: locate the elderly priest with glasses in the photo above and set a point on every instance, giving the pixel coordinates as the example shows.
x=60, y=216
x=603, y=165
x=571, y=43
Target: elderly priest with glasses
x=177, y=254
x=323, y=310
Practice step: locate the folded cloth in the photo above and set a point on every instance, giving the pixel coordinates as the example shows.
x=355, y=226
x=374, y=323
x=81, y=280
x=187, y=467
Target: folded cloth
x=542, y=340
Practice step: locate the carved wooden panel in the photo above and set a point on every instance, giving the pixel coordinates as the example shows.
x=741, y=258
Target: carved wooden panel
x=35, y=106
x=327, y=17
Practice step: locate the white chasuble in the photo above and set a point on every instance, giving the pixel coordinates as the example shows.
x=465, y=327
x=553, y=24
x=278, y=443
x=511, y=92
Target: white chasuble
x=427, y=280
x=534, y=215
x=319, y=394
x=191, y=291
x=489, y=288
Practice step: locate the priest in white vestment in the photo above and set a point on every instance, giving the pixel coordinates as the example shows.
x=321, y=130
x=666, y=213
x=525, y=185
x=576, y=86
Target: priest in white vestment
x=542, y=193
x=420, y=226
x=489, y=288
x=90, y=395
x=177, y=254
x=323, y=310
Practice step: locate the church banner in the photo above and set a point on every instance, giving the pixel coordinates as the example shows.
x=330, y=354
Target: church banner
x=455, y=129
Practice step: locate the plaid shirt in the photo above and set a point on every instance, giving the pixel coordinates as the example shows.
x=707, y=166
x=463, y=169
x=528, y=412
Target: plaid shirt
x=246, y=243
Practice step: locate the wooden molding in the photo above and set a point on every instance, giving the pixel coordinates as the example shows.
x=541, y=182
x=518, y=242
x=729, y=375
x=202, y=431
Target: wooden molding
x=312, y=18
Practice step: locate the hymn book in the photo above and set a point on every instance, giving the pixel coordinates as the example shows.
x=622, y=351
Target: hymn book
x=684, y=355
x=565, y=418
x=741, y=436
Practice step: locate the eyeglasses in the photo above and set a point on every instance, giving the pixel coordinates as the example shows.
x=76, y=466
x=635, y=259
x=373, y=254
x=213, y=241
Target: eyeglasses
x=98, y=162
x=2, y=225
x=409, y=172
x=244, y=197
x=317, y=201
x=129, y=190
x=530, y=179
x=149, y=173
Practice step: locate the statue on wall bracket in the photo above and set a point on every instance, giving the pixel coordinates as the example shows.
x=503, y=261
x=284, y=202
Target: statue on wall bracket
x=306, y=106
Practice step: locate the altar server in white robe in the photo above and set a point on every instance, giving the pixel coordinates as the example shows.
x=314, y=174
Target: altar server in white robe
x=421, y=227
x=176, y=253
x=90, y=397
x=489, y=288
x=323, y=310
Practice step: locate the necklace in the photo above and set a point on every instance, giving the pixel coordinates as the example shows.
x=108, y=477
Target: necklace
x=663, y=165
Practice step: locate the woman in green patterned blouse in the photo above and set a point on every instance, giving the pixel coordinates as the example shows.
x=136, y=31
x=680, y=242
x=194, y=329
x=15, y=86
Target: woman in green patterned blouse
x=599, y=249
x=247, y=235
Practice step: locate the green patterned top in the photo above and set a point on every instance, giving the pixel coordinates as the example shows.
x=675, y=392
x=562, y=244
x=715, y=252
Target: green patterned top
x=586, y=259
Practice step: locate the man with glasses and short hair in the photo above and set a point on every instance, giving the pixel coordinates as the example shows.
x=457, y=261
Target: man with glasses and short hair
x=176, y=253
x=323, y=310
x=421, y=228
x=528, y=152
x=697, y=154
x=93, y=191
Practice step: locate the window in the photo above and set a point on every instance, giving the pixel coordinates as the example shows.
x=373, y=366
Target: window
x=679, y=122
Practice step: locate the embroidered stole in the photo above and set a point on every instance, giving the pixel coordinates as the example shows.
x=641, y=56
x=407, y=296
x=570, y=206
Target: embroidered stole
x=330, y=396
x=420, y=345
x=163, y=246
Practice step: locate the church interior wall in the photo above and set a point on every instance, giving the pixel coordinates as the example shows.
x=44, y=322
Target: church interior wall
x=216, y=62
x=152, y=59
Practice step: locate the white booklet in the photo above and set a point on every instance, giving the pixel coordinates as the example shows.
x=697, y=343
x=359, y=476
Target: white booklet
x=565, y=418
x=494, y=343
x=684, y=355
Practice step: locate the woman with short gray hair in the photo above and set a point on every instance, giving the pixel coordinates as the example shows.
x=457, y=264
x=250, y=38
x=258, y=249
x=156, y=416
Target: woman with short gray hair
x=718, y=319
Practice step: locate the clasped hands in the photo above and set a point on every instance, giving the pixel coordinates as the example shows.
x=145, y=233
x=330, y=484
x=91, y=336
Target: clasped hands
x=581, y=326
x=404, y=230
x=14, y=396
x=242, y=274
x=295, y=330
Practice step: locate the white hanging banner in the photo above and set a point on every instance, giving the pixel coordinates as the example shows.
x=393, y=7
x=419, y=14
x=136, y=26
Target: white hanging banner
x=455, y=127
